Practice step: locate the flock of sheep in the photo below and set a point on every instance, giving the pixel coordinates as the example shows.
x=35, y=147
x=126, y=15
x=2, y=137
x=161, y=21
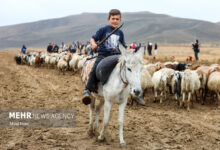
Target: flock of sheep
x=170, y=77
x=182, y=80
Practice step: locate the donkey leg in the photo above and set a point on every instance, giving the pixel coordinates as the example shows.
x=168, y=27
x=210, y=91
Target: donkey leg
x=107, y=109
x=91, y=108
x=98, y=110
x=120, y=122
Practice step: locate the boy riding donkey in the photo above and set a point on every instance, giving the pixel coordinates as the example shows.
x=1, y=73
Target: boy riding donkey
x=107, y=48
x=112, y=35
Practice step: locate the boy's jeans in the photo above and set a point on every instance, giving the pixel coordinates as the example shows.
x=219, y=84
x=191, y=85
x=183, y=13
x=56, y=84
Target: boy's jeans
x=92, y=76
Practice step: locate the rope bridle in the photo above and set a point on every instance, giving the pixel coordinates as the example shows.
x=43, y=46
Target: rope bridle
x=125, y=82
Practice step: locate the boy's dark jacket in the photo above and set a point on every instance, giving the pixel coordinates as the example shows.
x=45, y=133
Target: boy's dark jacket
x=111, y=45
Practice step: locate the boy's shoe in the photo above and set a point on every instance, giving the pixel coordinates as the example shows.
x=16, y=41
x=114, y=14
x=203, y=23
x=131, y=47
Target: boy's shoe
x=87, y=98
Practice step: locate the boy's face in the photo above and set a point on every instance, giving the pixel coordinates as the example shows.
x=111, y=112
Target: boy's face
x=114, y=21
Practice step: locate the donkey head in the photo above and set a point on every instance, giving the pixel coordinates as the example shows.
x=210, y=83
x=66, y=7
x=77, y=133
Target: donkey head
x=131, y=63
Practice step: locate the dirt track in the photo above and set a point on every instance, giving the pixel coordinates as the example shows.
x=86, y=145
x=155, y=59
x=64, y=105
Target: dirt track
x=154, y=126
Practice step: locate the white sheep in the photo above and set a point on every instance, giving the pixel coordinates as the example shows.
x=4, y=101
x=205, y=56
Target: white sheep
x=32, y=59
x=190, y=84
x=73, y=62
x=146, y=80
x=159, y=80
x=53, y=61
x=214, y=84
x=81, y=61
x=152, y=68
x=62, y=64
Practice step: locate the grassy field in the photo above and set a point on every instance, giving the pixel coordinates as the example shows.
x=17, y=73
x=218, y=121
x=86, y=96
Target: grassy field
x=207, y=55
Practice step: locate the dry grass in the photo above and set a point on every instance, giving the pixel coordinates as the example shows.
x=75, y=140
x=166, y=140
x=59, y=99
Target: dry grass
x=207, y=55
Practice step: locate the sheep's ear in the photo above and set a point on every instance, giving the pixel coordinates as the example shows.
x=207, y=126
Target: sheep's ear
x=122, y=50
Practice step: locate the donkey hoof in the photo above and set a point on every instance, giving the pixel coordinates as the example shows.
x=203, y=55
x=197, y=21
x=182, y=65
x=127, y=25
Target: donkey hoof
x=123, y=145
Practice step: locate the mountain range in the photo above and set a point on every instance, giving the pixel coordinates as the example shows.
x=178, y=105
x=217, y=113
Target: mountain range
x=138, y=26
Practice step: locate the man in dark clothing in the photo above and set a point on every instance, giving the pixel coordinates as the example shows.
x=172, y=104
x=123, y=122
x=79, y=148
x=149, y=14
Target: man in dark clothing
x=23, y=49
x=55, y=48
x=108, y=48
x=196, y=49
x=49, y=48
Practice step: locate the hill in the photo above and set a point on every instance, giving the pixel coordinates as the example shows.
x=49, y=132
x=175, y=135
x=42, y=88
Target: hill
x=140, y=27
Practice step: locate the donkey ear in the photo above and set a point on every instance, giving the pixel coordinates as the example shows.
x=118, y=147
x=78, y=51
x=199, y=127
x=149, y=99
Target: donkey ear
x=140, y=52
x=122, y=50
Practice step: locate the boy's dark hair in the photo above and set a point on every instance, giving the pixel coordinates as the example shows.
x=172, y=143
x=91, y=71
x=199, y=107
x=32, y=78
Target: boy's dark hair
x=114, y=12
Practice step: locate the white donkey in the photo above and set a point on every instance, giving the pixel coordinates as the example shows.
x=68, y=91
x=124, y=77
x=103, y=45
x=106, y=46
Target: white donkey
x=125, y=79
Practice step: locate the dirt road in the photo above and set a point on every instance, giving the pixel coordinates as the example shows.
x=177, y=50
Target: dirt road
x=154, y=126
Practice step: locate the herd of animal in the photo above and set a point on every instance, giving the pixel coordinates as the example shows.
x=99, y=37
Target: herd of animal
x=130, y=76
x=179, y=79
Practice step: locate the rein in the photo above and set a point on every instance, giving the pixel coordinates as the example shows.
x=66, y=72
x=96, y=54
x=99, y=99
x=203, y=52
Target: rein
x=125, y=82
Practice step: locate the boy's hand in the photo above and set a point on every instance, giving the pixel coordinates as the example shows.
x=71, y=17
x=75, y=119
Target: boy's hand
x=94, y=46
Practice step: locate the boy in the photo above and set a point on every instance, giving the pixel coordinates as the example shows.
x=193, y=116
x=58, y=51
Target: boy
x=107, y=48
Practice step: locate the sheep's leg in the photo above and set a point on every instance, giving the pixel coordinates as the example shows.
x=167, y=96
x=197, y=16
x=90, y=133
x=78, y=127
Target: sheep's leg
x=91, y=108
x=188, y=101
x=205, y=94
x=161, y=97
x=183, y=100
x=165, y=93
x=218, y=96
x=98, y=110
x=155, y=95
x=63, y=71
x=107, y=109
x=170, y=90
x=196, y=96
x=192, y=97
x=120, y=122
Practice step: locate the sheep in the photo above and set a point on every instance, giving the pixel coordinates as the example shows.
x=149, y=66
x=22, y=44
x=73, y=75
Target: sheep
x=204, y=72
x=74, y=61
x=32, y=59
x=38, y=60
x=63, y=63
x=161, y=79
x=203, y=87
x=152, y=68
x=47, y=60
x=18, y=59
x=190, y=84
x=53, y=61
x=146, y=80
x=81, y=62
x=86, y=70
x=146, y=83
x=159, y=82
x=176, y=84
x=214, y=84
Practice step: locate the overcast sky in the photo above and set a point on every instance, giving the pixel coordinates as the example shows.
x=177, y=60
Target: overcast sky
x=21, y=11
